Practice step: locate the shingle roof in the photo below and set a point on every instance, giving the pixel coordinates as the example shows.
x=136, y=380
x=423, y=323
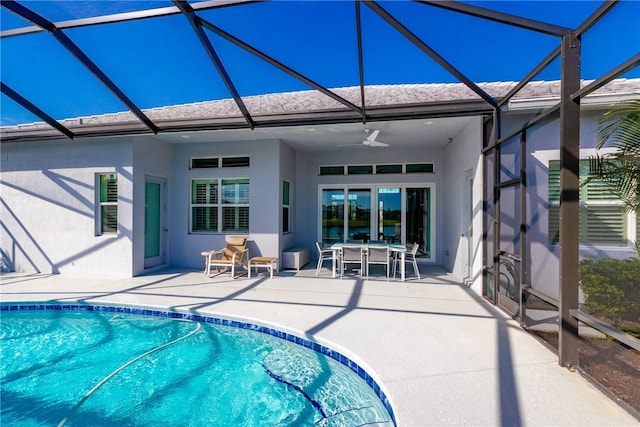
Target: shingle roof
x=314, y=101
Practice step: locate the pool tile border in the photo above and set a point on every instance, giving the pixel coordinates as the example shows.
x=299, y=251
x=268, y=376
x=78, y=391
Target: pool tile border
x=340, y=358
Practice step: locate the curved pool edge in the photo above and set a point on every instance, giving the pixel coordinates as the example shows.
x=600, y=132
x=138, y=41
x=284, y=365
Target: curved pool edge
x=218, y=319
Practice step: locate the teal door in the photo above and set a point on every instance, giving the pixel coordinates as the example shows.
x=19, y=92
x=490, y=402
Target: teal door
x=153, y=227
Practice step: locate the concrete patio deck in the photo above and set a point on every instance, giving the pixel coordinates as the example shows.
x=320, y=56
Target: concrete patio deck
x=443, y=355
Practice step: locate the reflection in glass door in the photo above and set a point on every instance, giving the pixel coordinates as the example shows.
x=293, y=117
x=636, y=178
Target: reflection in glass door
x=418, y=221
x=359, y=215
x=332, y=216
x=395, y=214
x=389, y=214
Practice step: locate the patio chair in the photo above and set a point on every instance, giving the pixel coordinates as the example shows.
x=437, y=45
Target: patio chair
x=378, y=254
x=410, y=256
x=324, y=254
x=351, y=254
x=234, y=254
x=397, y=230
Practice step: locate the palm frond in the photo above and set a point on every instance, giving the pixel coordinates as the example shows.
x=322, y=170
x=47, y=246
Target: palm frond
x=620, y=127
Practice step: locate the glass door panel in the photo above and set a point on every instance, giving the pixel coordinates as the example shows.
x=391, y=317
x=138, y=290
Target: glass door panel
x=359, y=215
x=153, y=244
x=389, y=214
x=332, y=216
x=418, y=219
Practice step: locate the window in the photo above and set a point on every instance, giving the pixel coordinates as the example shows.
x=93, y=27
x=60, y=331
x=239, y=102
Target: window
x=360, y=170
x=602, y=216
x=204, y=205
x=215, y=162
x=235, y=205
x=235, y=162
x=220, y=205
x=382, y=169
x=379, y=169
x=205, y=163
x=331, y=170
x=419, y=168
x=107, y=214
x=285, y=207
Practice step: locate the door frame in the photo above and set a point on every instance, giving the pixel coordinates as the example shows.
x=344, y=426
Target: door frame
x=467, y=230
x=160, y=259
x=374, y=208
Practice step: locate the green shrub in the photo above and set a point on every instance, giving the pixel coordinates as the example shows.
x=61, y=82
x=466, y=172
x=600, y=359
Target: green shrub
x=612, y=288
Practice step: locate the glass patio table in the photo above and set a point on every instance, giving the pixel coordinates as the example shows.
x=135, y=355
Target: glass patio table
x=394, y=247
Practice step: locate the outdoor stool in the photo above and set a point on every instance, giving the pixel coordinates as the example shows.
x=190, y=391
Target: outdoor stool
x=269, y=263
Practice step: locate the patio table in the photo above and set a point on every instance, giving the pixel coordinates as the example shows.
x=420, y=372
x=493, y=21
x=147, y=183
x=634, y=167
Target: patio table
x=400, y=249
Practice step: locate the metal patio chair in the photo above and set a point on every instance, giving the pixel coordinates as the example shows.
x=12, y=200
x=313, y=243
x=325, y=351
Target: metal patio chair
x=378, y=254
x=352, y=254
x=410, y=256
x=324, y=254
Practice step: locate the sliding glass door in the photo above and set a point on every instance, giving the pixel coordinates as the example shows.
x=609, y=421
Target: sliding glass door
x=389, y=214
x=332, y=228
x=359, y=215
x=395, y=214
x=418, y=221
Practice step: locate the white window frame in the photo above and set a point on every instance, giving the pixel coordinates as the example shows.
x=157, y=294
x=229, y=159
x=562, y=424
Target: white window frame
x=207, y=203
x=222, y=205
x=100, y=204
x=374, y=206
x=286, y=207
x=239, y=202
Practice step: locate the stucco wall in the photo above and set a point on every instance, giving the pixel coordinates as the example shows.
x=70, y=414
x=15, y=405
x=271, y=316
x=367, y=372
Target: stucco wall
x=543, y=143
x=48, y=206
x=288, y=173
x=309, y=182
x=152, y=157
x=264, y=217
x=462, y=218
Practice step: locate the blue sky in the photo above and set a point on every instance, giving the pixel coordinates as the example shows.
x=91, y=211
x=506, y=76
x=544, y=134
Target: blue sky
x=160, y=62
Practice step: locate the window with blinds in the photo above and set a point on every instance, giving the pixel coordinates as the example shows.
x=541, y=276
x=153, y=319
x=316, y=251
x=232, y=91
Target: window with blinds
x=107, y=215
x=204, y=205
x=603, y=218
x=220, y=205
x=235, y=205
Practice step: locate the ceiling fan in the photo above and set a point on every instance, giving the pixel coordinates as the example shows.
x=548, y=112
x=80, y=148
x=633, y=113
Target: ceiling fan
x=369, y=141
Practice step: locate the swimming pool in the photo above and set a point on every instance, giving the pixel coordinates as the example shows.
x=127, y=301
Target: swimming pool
x=78, y=364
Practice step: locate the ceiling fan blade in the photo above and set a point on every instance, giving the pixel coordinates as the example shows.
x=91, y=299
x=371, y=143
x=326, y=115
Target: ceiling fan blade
x=377, y=144
x=373, y=136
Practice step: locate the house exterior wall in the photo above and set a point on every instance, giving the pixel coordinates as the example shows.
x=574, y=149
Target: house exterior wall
x=48, y=196
x=49, y=204
x=543, y=143
x=264, y=217
x=462, y=216
x=288, y=173
x=309, y=182
x=151, y=158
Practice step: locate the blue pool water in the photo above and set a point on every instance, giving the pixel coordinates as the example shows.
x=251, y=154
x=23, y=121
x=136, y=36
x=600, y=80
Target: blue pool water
x=95, y=367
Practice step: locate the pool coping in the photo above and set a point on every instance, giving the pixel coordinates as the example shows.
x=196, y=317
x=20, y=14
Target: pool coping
x=202, y=318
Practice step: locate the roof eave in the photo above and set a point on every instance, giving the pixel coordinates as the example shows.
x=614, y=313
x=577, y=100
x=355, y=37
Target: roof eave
x=374, y=113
